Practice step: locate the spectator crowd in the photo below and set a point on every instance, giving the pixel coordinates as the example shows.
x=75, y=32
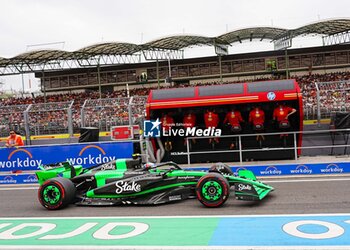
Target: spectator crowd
x=113, y=109
x=334, y=92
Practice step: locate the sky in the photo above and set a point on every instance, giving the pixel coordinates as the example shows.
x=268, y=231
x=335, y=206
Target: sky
x=71, y=25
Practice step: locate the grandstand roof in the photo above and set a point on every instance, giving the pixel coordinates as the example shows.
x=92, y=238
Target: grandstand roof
x=3, y=61
x=326, y=27
x=113, y=48
x=183, y=41
x=252, y=33
x=42, y=56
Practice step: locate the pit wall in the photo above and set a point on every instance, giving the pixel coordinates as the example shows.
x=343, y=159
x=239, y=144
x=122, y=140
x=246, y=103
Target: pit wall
x=309, y=140
x=261, y=170
x=52, y=150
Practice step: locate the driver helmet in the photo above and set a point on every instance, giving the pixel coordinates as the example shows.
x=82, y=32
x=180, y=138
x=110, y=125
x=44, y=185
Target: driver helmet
x=148, y=165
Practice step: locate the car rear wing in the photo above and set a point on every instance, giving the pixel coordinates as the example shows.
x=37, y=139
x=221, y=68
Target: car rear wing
x=64, y=169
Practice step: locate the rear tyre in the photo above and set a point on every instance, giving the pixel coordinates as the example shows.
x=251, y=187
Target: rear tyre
x=212, y=190
x=221, y=168
x=56, y=193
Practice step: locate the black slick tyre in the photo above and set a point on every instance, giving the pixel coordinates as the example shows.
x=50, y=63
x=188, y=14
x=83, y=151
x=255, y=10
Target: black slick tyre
x=212, y=190
x=56, y=193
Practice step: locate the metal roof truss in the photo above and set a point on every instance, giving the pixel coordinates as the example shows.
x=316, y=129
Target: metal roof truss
x=283, y=43
x=163, y=54
x=339, y=38
x=109, y=60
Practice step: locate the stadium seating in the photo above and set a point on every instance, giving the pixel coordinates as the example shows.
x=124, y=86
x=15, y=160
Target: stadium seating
x=335, y=96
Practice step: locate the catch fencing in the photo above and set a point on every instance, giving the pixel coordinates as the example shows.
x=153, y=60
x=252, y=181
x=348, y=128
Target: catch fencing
x=67, y=117
x=49, y=118
x=325, y=99
x=110, y=112
x=12, y=118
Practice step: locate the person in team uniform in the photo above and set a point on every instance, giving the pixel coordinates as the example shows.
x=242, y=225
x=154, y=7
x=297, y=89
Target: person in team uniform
x=234, y=118
x=189, y=121
x=167, y=122
x=257, y=119
x=211, y=120
x=281, y=114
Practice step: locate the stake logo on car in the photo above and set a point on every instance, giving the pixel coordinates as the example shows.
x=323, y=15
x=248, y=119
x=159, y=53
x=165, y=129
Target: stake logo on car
x=242, y=187
x=122, y=186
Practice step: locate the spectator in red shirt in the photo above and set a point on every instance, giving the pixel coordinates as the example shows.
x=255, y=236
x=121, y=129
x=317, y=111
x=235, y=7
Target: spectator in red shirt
x=211, y=120
x=257, y=118
x=234, y=118
x=14, y=140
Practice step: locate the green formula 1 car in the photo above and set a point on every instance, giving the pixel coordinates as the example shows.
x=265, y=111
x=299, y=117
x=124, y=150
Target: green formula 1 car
x=128, y=181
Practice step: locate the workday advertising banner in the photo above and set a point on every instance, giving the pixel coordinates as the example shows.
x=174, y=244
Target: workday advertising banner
x=29, y=158
x=294, y=169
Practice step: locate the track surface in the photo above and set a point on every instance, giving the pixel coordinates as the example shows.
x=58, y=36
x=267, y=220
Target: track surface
x=297, y=196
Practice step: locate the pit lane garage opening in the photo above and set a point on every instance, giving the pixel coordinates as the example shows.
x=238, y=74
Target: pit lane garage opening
x=173, y=105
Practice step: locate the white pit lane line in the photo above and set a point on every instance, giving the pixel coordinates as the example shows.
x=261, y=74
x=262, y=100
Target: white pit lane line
x=18, y=188
x=307, y=180
x=324, y=179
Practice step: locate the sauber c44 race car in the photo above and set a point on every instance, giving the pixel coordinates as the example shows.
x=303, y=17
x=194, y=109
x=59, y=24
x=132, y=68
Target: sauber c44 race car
x=128, y=181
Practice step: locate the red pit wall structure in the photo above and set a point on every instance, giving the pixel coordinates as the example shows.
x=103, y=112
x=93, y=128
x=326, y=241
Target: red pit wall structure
x=245, y=94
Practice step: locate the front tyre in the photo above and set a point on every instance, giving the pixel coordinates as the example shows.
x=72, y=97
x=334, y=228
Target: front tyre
x=212, y=190
x=56, y=193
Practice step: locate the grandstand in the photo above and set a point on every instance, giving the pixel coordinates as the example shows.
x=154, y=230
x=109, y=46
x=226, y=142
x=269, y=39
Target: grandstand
x=238, y=67
x=104, y=86
x=88, y=110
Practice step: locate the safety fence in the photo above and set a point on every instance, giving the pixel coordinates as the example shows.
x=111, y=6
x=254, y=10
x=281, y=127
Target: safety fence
x=12, y=118
x=49, y=118
x=109, y=112
x=105, y=113
x=322, y=99
x=68, y=117
x=37, y=119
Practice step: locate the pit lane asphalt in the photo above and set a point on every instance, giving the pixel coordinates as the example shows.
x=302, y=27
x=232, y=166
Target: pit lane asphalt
x=291, y=196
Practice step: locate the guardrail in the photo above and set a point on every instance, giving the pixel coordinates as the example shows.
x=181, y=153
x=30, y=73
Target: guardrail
x=295, y=147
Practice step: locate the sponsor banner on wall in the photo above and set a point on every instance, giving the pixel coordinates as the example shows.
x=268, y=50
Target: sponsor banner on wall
x=18, y=179
x=29, y=158
x=294, y=169
x=266, y=170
